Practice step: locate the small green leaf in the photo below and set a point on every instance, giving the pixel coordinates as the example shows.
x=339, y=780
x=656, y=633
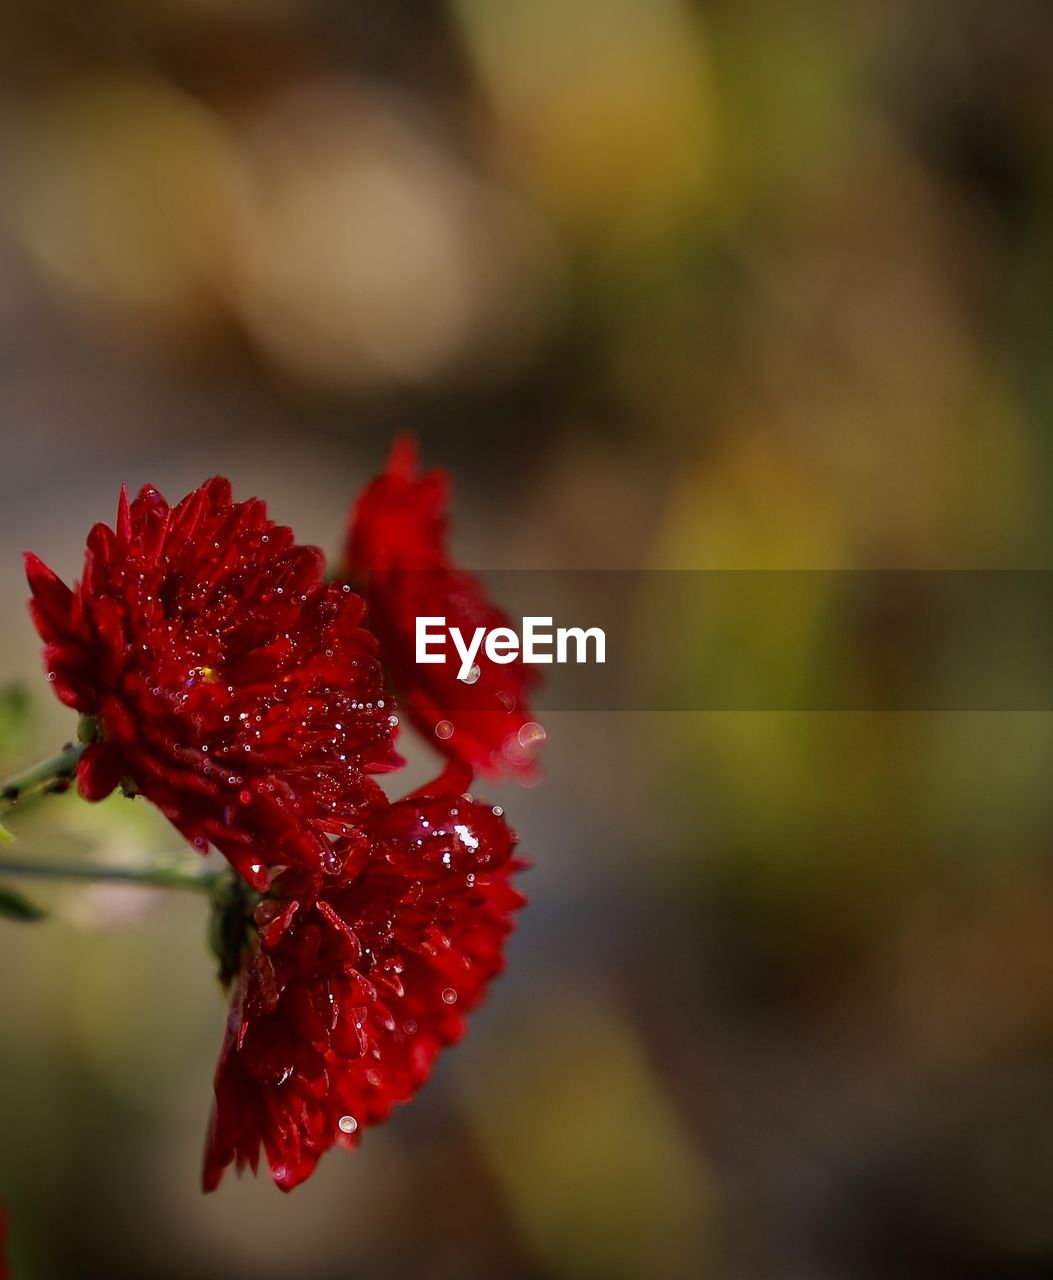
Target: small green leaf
x=15, y=906
x=6, y=837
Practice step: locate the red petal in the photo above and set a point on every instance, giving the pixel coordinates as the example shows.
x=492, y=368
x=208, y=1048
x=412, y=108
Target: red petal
x=99, y=770
x=404, y=457
x=52, y=599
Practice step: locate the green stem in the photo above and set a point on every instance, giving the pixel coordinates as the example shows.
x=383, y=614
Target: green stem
x=48, y=776
x=165, y=877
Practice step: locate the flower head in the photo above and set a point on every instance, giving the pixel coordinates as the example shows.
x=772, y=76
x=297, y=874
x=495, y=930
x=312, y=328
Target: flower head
x=225, y=680
x=396, y=553
x=353, y=986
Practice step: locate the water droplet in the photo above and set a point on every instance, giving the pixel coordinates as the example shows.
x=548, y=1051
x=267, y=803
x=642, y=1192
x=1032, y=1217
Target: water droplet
x=465, y=836
x=472, y=676
x=449, y=995
x=444, y=729
x=347, y=1124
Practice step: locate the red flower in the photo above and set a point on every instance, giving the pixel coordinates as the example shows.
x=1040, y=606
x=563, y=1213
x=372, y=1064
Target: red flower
x=228, y=683
x=5, y=1274
x=396, y=551
x=354, y=985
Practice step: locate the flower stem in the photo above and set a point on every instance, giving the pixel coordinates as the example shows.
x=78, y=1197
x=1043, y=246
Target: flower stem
x=165, y=877
x=48, y=776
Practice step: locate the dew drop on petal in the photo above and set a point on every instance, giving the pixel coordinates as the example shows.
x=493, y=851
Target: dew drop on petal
x=464, y=834
x=347, y=1124
x=449, y=995
x=444, y=729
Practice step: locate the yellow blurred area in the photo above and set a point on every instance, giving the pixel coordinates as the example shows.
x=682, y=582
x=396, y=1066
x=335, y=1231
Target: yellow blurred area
x=594, y=1161
x=368, y=253
x=607, y=108
x=122, y=190
x=352, y=247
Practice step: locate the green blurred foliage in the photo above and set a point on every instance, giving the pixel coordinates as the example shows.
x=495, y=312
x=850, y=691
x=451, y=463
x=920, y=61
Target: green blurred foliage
x=14, y=720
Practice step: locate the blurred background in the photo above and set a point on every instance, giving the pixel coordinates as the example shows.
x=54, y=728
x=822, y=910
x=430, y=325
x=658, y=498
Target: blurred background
x=737, y=284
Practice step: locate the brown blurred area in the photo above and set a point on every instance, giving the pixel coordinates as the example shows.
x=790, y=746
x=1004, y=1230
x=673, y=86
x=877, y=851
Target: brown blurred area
x=749, y=283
